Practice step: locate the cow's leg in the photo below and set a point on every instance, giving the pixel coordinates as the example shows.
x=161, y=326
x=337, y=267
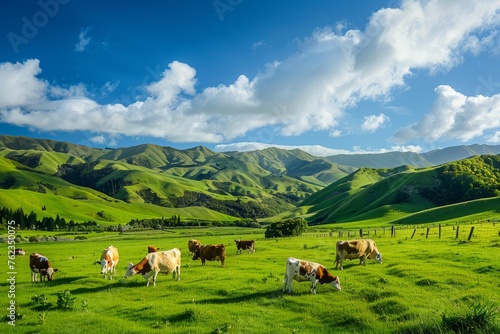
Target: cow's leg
x=285, y=280
x=362, y=260
x=154, y=278
x=313, y=285
x=341, y=261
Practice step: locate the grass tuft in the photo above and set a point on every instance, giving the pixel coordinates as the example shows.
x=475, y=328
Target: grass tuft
x=480, y=317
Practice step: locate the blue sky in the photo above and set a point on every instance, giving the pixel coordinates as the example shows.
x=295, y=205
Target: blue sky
x=325, y=76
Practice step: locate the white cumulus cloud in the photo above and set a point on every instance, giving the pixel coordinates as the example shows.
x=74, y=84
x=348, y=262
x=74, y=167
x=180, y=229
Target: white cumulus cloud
x=454, y=115
x=310, y=90
x=373, y=122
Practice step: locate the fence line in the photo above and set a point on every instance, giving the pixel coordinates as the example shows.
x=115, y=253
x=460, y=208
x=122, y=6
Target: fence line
x=427, y=231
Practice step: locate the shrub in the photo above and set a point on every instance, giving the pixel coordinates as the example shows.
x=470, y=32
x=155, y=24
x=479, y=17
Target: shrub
x=65, y=300
x=33, y=238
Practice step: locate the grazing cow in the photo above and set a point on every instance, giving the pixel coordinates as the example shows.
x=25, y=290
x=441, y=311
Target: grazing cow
x=211, y=253
x=19, y=251
x=39, y=264
x=356, y=249
x=245, y=244
x=159, y=262
x=193, y=246
x=109, y=260
x=301, y=270
x=153, y=249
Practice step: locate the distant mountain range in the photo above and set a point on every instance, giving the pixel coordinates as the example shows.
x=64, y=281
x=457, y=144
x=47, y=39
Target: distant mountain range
x=197, y=182
x=431, y=158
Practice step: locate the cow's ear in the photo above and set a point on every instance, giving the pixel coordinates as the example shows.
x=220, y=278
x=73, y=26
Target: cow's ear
x=97, y=262
x=56, y=270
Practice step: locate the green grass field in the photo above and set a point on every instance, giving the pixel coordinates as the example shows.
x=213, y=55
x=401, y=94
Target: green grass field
x=420, y=280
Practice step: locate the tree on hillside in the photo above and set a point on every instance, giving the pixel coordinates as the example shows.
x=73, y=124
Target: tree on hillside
x=287, y=228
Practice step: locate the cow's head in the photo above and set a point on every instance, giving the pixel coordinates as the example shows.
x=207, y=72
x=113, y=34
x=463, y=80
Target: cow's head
x=236, y=241
x=378, y=258
x=105, y=266
x=130, y=270
x=49, y=273
x=196, y=255
x=336, y=283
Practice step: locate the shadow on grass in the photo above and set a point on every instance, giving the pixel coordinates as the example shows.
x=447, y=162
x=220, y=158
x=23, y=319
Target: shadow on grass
x=108, y=286
x=272, y=294
x=240, y=298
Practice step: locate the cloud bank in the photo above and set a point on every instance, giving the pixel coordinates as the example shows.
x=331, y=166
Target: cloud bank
x=310, y=90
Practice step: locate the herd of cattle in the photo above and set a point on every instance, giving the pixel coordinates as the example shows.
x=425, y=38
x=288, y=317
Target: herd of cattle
x=169, y=261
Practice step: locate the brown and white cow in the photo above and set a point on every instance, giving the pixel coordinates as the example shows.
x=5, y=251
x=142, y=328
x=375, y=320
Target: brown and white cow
x=19, y=251
x=159, y=262
x=356, y=249
x=301, y=270
x=244, y=245
x=39, y=264
x=109, y=260
x=153, y=249
x=193, y=246
x=211, y=253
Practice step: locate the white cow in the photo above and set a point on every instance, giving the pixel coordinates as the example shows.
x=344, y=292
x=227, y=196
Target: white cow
x=109, y=260
x=158, y=262
x=301, y=270
x=356, y=249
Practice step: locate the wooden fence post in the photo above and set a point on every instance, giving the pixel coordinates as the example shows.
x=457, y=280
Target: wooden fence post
x=470, y=234
x=415, y=230
x=393, y=232
x=439, y=231
x=427, y=233
x=360, y=232
x=456, y=231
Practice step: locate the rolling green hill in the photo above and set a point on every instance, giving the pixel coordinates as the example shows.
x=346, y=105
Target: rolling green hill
x=113, y=186
x=395, y=194
x=233, y=185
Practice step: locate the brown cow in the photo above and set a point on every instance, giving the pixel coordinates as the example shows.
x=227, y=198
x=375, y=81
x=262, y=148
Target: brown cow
x=211, y=253
x=39, y=264
x=193, y=245
x=356, y=249
x=245, y=244
x=301, y=270
x=153, y=249
x=158, y=262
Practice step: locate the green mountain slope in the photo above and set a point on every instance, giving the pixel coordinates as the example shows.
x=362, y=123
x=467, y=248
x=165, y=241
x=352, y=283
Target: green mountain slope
x=396, y=193
x=254, y=185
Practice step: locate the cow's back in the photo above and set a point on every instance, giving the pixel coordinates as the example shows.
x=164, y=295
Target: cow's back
x=353, y=249
x=38, y=261
x=110, y=254
x=165, y=261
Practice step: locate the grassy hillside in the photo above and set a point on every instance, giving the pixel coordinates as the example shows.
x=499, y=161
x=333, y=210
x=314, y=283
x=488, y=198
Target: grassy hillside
x=267, y=184
x=422, y=286
x=234, y=185
x=392, y=194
